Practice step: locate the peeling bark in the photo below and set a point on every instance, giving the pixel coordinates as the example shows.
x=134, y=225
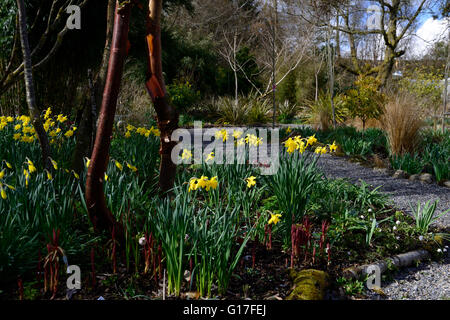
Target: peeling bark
x=100, y=215
x=167, y=115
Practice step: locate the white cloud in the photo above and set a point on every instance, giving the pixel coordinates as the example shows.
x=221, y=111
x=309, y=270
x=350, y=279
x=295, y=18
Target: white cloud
x=429, y=33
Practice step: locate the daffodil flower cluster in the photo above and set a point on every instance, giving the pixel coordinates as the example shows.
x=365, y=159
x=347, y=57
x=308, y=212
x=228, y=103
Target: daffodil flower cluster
x=25, y=132
x=203, y=183
x=300, y=144
x=142, y=131
x=249, y=139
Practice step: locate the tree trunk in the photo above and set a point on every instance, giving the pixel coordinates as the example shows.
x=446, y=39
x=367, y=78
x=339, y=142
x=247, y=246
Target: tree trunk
x=29, y=87
x=167, y=115
x=87, y=130
x=100, y=215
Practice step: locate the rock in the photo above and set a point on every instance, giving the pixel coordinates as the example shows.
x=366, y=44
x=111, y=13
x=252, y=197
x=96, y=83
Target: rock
x=414, y=177
x=381, y=170
x=446, y=184
x=309, y=285
x=400, y=174
x=426, y=178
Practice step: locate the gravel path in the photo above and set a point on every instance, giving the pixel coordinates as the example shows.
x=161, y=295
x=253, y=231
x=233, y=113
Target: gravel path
x=428, y=281
x=401, y=191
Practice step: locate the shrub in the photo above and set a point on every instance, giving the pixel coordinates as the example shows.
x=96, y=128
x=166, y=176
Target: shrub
x=364, y=101
x=412, y=164
x=230, y=112
x=402, y=122
x=320, y=112
x=287, y=111
x=183, y=96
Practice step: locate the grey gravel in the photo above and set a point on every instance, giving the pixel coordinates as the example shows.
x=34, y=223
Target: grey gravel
x=402, y=192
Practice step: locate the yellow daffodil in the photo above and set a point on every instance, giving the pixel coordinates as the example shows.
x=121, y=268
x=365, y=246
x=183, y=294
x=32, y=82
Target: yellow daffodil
x=186, y=154
x=47, y=113
x=210, y=157
x=127, y=134
x=3, y=193
x=288, y=130
x=75, y=175
x=9, y=119
x=2, y=174
x=69, y=133
x=203, y=181
x=130, y=127
x=333, y=147
x=17, y=127
x=106, y=177
x=311, y=140
x=88, y=162
x=240, y=142
x=274, y=218
x=54, y=164
x=291, y=145
x=237, y=134
x=251, y=181
x=212, y=183
x=131, y=167
x=193, y=184
x=49, y=175
x=118, y=165
x=8, y=164
x=27, y=177
x=31, y=166
x=17, y=136
x=61, y=118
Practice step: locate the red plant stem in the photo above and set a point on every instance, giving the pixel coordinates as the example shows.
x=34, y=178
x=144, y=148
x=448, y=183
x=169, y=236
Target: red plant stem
x=20, y=285
x=314, y=255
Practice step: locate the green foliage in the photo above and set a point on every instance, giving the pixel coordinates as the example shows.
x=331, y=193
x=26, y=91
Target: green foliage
x=412, y=164
x=183, y=96
x=425, y=84
x=321, y=113
x=364, y=101
x=293, y=184
x=425, y=215
x=7, y=25
x=351, y=287
x=287, y=111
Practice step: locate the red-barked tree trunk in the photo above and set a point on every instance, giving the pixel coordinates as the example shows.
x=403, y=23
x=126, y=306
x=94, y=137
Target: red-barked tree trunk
x=99, y=214
x=167, y=115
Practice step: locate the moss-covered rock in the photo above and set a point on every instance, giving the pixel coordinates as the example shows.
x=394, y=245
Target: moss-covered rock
x=308, y=284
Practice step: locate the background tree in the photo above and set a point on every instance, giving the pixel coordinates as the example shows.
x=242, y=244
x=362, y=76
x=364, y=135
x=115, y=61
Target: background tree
x=364, y=101
x=29, y=85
